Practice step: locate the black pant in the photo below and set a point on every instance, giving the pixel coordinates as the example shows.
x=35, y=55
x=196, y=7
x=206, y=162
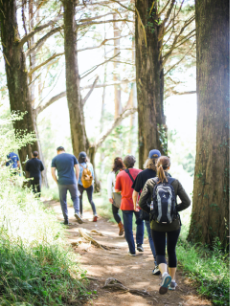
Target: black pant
x=159, y=243
x=116, y=214
x=89, y=192
x=36, y=185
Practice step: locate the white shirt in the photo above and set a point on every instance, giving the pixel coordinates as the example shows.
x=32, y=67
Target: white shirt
x=111, y=184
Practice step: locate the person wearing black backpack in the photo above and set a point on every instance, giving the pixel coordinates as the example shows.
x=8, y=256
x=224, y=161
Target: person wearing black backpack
x=161, y=192
x=138, y=185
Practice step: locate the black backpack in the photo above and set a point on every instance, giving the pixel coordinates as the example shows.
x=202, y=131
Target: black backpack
x=164, y=206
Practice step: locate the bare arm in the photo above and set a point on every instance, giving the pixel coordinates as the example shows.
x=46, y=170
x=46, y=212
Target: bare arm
x=53, y=169
x=134, y=196
x=77, y=170
x=18, y=163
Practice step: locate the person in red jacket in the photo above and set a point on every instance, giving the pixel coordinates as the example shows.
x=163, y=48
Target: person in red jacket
x=124, y=182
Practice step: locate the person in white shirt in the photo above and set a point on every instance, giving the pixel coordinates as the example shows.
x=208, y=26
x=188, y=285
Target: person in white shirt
x=117, y=167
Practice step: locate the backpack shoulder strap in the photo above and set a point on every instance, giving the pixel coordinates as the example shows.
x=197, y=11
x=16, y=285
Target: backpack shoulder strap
x=127, y=171
x=170, y=180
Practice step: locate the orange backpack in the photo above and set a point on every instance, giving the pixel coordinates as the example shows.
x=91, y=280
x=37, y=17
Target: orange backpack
x=86, y=177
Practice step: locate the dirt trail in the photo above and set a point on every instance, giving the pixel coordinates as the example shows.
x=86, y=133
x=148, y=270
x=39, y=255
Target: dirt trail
x=132, y=272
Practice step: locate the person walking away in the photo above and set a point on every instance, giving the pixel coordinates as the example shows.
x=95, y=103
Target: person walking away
x=34, y=167
x=124, y=182
x=86, y=182
x=164, y=219
x=138, y=185
x=13, y=163
x=65, y=164
x=117, y=167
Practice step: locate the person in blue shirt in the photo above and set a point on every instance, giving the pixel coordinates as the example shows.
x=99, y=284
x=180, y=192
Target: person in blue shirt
x=83, y=164
x=13, y=162
x=65, y=164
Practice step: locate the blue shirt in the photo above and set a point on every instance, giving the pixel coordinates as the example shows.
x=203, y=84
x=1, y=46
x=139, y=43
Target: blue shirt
x=90, y=167
x=64, y=163
x=13, y=160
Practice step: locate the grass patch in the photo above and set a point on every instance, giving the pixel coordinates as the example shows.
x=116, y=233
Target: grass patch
x=36, y=266
x=208, y=268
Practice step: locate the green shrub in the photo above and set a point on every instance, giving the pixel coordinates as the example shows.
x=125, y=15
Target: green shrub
x=209, y=268
x=36, y=266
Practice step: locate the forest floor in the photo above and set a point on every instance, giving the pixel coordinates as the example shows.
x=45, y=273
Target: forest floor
x=132, y=272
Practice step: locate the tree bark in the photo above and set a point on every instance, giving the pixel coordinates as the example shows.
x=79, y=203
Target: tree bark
x=19, y=96
x=77, y=122
x=210, y=213
x=32, y=61
x=116, y=74
x=149, y=78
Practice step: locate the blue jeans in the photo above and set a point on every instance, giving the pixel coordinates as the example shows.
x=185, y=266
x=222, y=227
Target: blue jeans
x=74, y=196
x=147, y=225
x=128, y=226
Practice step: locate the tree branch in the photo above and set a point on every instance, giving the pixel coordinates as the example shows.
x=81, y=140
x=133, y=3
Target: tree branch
x=178, y=61
x=41, y=41
x=109, y=84
x=41, y=108
x=36, y=30
x=44, y=63
x=102, y=22
x=102, y=43
x=90, y=91
x=186, y=23
x=95, y=67
x=127, y=112
x=162, y=25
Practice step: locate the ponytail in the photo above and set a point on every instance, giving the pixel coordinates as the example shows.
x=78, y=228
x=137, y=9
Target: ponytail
x=163, y=163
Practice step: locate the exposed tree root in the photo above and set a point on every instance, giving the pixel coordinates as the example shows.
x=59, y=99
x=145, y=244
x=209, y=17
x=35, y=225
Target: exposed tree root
x=93, y=241
x=94, y=232
x=115, y=285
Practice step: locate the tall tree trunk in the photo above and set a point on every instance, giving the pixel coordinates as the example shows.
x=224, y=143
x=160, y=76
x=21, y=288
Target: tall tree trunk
x=132, y=117
x=116, y=74
x=210, y=214
x=149, y=79
x=77, y=122
x=32, y=61
x=80, y=141
x=16, y=72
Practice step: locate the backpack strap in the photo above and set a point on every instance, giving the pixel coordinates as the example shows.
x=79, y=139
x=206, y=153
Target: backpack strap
x=127, y=171
x=170, y=180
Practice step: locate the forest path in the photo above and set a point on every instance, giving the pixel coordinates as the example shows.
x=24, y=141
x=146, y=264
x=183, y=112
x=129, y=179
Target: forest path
x=132, y=272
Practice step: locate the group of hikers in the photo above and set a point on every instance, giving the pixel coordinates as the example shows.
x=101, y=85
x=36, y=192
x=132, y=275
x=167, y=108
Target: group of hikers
x=149, y=194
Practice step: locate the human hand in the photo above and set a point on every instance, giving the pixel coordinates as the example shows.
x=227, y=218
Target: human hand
x=137, y=208
x=111, y=200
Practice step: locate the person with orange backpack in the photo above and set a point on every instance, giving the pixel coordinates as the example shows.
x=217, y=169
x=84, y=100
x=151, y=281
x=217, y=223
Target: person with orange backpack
x=85, y=182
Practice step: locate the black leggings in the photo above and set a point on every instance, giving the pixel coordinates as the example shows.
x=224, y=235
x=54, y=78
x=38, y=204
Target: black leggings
x=89, y=192
x=159, y=243
x=116, y=214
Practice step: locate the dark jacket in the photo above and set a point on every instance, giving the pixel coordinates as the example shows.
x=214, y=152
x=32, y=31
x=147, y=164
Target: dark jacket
x=146, y=196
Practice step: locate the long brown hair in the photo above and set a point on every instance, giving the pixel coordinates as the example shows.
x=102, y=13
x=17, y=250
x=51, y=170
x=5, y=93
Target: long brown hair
x=163, y=163
x=118, y=164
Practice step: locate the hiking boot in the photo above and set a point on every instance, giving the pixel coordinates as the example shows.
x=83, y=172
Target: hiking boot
x=78, y=218
x=172, y=285
x=66, y=222
x=95, y=218
x=166, y=280
x=140, y=248
x=156, y=271
x=121, y=229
